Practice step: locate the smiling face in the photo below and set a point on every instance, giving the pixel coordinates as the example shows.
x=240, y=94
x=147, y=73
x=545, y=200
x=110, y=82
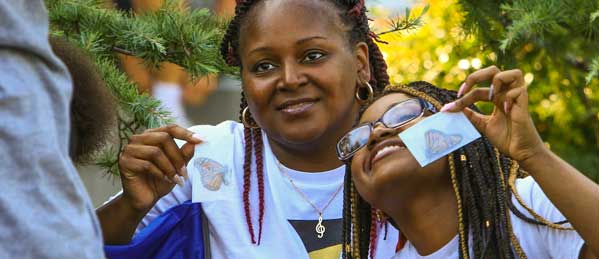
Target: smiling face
x=299, y=71
x=384, y=170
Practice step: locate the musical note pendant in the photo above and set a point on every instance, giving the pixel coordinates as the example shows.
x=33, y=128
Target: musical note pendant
x=319, y=227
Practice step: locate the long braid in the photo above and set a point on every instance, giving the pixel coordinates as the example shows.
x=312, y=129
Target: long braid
x=364, y=211
x=354, y=220
x=260, y=173
x=463, y=251
x=346, y=213
x=373, y=233
x=247, y=134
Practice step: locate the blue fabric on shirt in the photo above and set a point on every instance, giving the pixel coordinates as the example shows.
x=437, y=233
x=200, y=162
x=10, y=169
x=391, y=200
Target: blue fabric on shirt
x=177, y=233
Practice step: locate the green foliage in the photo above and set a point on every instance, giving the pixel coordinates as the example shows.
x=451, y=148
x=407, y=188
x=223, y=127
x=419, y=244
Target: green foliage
x=189, y=39
x=554, y=42
x=557, y=41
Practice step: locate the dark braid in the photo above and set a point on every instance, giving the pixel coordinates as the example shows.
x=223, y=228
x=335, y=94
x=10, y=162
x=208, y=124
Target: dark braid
x=364, y=230
x=247, y=163
x=353, y=15
x=373, y=233
x=346, y=212
x=260, y=173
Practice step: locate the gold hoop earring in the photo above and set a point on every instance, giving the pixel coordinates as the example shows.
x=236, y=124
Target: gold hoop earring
x=246, y=120
x=370, y=93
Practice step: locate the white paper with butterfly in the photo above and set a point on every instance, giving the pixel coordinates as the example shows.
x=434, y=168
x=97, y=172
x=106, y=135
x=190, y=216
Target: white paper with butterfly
x=210, y=169
x=438, y=135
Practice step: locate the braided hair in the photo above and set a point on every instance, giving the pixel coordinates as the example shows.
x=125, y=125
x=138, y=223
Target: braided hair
x=483, y=182
x=353, y=16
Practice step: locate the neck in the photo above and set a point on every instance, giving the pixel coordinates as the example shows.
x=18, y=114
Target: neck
x=311, y=157
x=428, y=216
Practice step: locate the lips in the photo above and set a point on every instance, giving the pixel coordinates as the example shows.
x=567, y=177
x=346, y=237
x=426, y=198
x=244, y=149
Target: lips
x=383, y=149
x=296, y=106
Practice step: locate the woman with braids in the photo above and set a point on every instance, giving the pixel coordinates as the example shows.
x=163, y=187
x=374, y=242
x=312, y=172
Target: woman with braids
x=272, y=186
x=475, y=202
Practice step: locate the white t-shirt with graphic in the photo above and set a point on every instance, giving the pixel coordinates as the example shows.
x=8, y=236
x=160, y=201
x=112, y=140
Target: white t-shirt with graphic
x=216, y=180
x=536, y=241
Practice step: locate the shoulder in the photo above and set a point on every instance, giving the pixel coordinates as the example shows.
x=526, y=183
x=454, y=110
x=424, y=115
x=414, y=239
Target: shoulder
x=538, y=240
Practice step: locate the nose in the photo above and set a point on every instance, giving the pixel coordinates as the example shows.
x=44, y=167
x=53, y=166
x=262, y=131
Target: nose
x=379, y=133
x=292, y=77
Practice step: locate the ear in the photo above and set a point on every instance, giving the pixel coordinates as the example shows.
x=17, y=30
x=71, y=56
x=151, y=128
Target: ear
x=362, y=60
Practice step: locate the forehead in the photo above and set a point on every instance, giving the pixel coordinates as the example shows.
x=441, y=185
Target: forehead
x=282, y=20
x=380, y=106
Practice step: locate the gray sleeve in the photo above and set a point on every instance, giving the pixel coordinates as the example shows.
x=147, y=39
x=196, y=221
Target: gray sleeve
x=46, y=212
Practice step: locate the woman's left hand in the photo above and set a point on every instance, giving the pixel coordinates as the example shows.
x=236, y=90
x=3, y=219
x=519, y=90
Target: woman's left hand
x=510, y=127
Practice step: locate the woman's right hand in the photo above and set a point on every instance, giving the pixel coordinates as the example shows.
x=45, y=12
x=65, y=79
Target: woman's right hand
x=152, y=163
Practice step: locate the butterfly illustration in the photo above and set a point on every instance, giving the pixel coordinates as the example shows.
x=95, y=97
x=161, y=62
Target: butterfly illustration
x=212, y=173
x=438, y=142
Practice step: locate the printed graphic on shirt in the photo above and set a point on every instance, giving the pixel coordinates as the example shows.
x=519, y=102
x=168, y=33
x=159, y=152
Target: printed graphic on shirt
x=329, y=246
x=211, y=180
x=213, y=174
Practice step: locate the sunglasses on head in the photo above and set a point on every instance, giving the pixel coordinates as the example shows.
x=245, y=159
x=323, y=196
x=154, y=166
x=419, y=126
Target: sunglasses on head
x=396, y=116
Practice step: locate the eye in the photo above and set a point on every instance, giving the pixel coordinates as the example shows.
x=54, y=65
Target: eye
x=263, y=67
x=313, y=56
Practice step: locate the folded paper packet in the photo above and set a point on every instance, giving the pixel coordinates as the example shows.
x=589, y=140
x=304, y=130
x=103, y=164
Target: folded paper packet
x=438, y=135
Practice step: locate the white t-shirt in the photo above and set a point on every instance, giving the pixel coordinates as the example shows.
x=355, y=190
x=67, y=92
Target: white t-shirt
x=536, y=241
x=216, y=176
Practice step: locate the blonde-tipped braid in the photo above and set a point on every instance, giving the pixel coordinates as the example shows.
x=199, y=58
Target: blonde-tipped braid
x=512, y=183
x=456, y=190
x=513, y=239
x=355, y=237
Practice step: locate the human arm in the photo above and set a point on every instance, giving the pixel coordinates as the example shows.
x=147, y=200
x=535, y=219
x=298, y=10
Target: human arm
x=511, y=129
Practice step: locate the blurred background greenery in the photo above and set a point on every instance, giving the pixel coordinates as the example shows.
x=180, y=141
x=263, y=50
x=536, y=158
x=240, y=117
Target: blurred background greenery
x=555, y=43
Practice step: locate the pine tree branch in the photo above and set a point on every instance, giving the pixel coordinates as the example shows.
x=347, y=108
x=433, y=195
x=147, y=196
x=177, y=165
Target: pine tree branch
x=406, y=22
x=189, y=39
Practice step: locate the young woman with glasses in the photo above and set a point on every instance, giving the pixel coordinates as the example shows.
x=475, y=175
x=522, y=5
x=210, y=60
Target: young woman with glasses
x=505, y=195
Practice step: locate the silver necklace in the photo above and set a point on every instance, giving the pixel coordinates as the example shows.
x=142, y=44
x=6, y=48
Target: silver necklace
x=320, y=229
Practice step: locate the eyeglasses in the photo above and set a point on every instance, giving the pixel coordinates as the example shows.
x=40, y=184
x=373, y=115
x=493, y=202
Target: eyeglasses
x=396, y=116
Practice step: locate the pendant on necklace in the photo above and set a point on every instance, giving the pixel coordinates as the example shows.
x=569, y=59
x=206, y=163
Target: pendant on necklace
x=319, y=227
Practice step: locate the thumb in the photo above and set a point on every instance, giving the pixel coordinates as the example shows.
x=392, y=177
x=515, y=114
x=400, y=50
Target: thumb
x=187, y=150
x=478, y=120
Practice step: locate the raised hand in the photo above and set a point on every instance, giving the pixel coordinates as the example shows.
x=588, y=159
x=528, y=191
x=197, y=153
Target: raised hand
x=152, y=163
x=509, y=127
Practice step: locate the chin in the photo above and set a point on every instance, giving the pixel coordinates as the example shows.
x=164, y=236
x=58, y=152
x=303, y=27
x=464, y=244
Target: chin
x=300, y=134
x=393, y=174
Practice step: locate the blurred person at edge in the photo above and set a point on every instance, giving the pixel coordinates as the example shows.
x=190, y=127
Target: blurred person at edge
x=46, y=212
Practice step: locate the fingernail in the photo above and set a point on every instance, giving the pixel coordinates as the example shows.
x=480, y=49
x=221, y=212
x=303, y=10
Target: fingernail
x=178, y=180
x=196, y=137
x=506, y=109
x=184, y=172
x=167, y=179
x=448, y=107
x=461, y=90
x=491, y=92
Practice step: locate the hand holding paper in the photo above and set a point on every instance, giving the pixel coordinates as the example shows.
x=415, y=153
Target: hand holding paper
x=509, y=127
